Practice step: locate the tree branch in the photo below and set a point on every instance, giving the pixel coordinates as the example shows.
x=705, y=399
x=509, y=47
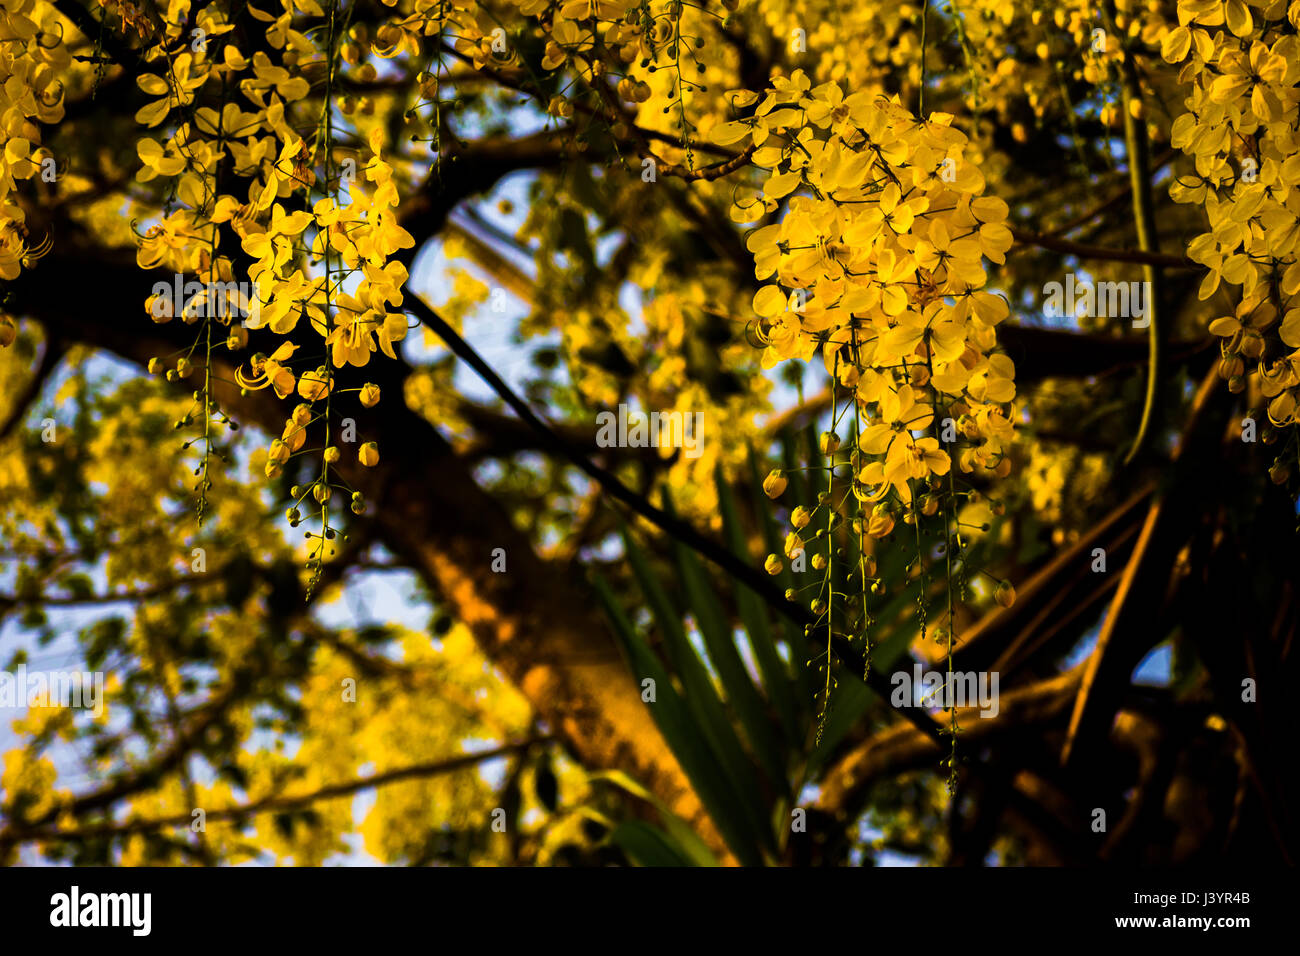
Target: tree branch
x=280, y=803
x=535, y=622
x=899, y=748
x=52, y=355
x=682, y=531
x=1078, y=249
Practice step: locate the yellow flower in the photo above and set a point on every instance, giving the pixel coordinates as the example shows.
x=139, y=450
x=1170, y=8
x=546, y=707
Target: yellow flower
x=880, y=523
x=369, y=395
x=314, y=386
x=567, y=39
x=294, y=435
x=270, y=371
x=900, y=413
x=946, y=337
x=157, y=160
x=774, y=484
x=793, y=545
x=907, y=459
x=368, y=454
x=352, y=339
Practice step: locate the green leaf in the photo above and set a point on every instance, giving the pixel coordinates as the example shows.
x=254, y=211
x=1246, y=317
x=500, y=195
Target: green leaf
x=754, y=614
x=700, y=695
x=739, y=687
x=674, y=721
x=573, y=236
x=686, y=839
x=79, y=586
x=647, y=845
x=792, y=461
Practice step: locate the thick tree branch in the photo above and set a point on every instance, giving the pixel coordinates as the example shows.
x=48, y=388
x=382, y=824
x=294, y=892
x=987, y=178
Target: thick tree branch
x=474, y=169
x=900, y=748
x=533, y=621
x=1132, y=625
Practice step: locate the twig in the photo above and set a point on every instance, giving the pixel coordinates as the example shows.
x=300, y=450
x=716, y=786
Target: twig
x=283, y=803
x=1056, y=244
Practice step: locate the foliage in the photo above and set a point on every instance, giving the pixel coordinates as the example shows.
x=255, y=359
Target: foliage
x=825, y=236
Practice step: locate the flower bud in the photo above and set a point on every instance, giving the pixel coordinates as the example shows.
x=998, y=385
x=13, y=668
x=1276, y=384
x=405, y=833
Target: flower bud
x=793, y=544
x=314, y=386
x=774, y=484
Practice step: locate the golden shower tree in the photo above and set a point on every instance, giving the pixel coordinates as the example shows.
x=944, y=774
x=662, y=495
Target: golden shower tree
x=972, y=328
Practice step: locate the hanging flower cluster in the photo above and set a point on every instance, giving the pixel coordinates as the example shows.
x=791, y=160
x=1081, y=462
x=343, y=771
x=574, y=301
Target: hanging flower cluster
x=877, y=261
x=264, y=173
x=32, y=60
x=1242, y=63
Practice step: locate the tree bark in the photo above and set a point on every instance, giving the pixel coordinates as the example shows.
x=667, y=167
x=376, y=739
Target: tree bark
x=536, y=624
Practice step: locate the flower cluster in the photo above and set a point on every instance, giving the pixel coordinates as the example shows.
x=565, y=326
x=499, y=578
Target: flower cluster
x=264, y=171
x=32, y=60
x=877, y=261
x=1243, y=66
